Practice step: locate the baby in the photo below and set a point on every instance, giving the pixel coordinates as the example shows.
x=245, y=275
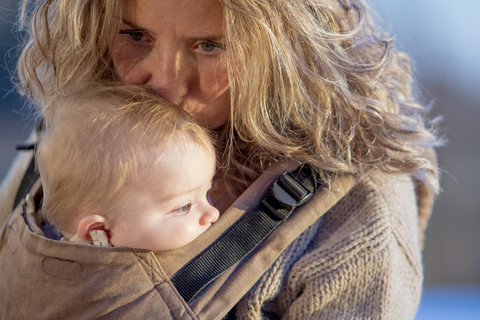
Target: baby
x=121, y=167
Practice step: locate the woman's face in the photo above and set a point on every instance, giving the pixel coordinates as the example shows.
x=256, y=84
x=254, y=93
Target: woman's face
x=176, y=48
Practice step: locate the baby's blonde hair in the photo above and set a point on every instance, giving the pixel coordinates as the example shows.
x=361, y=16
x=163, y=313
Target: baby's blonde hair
x=100, y=145
x=311, y=80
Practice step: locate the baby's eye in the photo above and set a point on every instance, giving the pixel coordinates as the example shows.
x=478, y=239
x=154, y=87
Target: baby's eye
x=183, y=209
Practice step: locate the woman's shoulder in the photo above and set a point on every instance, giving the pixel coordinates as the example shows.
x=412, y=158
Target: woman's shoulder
x=361, y=259
x=365, y=252
x=379, y=209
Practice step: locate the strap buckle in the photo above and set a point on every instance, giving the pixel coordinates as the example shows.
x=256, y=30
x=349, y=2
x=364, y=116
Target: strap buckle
x=286, y=194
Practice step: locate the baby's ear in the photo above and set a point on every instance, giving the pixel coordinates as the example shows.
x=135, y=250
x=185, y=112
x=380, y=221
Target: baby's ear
x=91, y=223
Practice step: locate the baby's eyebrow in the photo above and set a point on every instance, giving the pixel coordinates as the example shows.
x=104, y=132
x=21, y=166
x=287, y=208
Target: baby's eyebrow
x=179, y=194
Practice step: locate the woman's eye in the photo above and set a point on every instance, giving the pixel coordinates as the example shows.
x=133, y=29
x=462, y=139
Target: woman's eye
x=183, y=209
x=133, y=35
x=210, y=47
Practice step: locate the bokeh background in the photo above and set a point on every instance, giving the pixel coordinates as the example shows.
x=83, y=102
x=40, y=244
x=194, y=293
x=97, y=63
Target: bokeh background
x=442, y=37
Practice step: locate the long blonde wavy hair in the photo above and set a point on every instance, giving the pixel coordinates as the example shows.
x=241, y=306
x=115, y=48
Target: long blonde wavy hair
x=316, y=81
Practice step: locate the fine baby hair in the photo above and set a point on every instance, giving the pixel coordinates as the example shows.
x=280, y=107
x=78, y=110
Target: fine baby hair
x=100, y=143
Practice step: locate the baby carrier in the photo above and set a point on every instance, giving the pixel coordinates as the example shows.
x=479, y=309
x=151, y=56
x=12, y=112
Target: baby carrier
x=50, y=279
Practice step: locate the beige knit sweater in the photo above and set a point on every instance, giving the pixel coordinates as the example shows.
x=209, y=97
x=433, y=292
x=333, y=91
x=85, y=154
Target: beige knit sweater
x=361, y=261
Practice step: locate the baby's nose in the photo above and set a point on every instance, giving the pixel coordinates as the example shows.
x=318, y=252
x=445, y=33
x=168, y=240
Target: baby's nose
x=210, y=215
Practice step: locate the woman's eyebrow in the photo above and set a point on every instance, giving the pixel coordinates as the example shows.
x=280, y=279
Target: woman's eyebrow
x=217, y=39
x=133, y=25
x=211, y=37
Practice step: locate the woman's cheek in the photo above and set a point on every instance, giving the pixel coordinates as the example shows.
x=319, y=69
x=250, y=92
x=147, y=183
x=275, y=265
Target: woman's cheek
x=217, y=82
x=127, y=63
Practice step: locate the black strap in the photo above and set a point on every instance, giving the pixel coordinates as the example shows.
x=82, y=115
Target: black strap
x=31, y=174
x=291, y=190
x=29, y=178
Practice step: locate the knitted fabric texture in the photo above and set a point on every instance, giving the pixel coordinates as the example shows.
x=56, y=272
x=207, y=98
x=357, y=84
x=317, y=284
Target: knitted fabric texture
x=361, y=261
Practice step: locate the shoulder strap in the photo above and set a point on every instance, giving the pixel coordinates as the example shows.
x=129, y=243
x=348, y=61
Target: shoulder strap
x=31, y=174
x=291, y=190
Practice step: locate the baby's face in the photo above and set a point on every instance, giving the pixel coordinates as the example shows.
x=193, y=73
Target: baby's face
x=172, y=208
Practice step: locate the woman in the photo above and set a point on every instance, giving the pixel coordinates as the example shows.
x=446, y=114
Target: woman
x=313, y=81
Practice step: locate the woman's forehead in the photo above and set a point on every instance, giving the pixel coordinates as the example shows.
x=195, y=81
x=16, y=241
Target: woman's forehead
x=160, y=15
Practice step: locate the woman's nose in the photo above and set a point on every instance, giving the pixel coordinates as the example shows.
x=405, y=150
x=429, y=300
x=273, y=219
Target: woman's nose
x=210, y=215
x=169, y=75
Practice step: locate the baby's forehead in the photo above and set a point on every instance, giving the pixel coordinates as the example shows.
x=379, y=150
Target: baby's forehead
x=178, y=153
x=186, y=141
x=176, y=169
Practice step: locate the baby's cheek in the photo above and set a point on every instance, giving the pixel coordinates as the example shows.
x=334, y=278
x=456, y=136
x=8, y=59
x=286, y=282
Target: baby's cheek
x=187, y=233
x=189, y=228
x=180, y=231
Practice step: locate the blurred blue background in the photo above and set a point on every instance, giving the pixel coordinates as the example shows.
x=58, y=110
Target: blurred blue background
x=442, y=37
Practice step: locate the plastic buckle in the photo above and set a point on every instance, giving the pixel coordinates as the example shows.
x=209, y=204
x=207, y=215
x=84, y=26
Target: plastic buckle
x=287, y=193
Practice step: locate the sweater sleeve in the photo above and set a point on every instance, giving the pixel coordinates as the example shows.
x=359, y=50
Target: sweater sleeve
x=365, y=262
